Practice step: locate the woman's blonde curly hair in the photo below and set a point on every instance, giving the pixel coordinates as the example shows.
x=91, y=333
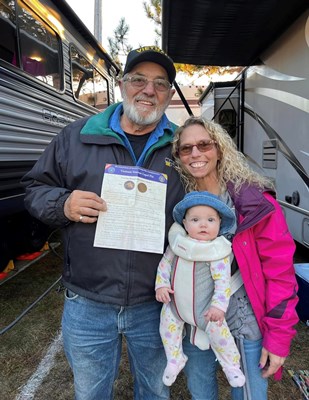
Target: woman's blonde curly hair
x=232, y=165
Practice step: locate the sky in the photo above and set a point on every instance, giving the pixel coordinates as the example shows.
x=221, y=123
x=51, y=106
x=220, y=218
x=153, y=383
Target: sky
x=141, y=30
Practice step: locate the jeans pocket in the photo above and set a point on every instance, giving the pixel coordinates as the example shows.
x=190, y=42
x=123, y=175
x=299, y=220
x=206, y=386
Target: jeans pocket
x=69, y=295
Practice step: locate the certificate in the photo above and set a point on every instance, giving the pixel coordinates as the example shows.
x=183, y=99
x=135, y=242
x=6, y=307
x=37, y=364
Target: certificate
x=135, y=216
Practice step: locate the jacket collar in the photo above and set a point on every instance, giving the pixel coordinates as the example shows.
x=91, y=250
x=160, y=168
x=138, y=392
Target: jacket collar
x=98, y=124
x=110, y=119
x=104, y=128
x=250, y=204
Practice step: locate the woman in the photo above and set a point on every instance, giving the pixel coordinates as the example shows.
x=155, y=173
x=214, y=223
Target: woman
x=262, y=312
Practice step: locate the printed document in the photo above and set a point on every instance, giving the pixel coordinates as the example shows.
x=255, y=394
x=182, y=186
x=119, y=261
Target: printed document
x=135, y=216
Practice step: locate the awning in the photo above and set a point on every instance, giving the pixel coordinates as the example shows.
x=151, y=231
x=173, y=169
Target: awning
x=224, y=32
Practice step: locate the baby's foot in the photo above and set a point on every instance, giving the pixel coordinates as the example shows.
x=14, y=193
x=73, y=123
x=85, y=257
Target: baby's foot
x=172, y=370
x=235, y=377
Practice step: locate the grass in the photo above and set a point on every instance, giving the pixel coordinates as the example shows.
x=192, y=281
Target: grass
x=23, y=346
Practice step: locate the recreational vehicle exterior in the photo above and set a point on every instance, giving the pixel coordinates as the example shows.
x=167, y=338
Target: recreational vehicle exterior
x=266, y=110
x=52, y=71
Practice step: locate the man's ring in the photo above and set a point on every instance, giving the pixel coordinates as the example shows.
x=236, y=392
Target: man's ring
x=81, y=218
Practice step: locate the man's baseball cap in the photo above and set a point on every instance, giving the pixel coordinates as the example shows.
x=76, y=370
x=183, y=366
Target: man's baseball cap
x=152, y=54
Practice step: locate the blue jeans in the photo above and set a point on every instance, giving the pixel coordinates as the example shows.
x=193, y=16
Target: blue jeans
x=201, y=367
x=92, y=335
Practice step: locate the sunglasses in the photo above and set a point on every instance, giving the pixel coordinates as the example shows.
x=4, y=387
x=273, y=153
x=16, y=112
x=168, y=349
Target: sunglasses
x=202, y=146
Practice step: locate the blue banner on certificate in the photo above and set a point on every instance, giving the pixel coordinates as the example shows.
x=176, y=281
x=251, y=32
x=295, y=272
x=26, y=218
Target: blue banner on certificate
x=135, y=216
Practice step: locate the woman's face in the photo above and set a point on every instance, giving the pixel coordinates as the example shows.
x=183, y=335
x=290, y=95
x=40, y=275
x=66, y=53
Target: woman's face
x=201, y=165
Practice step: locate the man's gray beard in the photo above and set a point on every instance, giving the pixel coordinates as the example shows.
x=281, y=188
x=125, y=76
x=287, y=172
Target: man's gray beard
x=132, y=113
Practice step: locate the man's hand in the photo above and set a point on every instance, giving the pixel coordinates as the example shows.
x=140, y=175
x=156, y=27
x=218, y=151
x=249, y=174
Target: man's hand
x=213, y=314
x=163, y=294
x=82, y=206
x=270, y=363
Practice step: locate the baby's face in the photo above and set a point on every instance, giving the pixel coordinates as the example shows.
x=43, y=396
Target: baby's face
x=202, y=222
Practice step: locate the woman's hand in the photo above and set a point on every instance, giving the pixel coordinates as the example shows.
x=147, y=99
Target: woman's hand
x=270, y=363
x=83, y=206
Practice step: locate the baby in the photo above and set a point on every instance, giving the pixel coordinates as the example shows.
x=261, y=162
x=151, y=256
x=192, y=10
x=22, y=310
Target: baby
x=193, y=282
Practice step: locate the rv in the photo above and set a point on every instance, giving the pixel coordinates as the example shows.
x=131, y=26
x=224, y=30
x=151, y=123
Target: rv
x=52, y=71
x=266, y=109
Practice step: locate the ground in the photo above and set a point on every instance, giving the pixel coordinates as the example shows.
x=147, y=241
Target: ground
x=24, y=346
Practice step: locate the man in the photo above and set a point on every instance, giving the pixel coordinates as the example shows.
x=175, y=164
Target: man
x=109, y=292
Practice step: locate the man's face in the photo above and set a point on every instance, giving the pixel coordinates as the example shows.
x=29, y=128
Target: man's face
x=145, y=106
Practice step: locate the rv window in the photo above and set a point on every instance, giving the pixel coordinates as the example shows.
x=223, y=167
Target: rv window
x=40, y=48
x=227, y=118
x=7, y=30
x=101, y=94
x=39, y=45
x=88, y=84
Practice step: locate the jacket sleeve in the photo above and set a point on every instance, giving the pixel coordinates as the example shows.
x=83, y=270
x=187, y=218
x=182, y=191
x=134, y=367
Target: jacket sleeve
x=275, y=247
x=45, y=185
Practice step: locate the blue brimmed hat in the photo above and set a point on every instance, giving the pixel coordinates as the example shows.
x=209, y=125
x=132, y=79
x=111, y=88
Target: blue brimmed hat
x=205, y=199
x=153, y=54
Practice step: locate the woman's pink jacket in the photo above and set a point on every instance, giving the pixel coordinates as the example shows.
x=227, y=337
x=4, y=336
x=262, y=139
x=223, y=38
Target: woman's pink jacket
x=264, y=249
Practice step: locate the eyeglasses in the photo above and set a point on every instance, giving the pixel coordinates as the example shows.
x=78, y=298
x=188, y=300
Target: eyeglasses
x=202, y=146
x=140, y=82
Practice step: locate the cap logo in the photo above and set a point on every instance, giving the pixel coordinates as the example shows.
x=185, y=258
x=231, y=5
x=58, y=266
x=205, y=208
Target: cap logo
x=153, y=48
